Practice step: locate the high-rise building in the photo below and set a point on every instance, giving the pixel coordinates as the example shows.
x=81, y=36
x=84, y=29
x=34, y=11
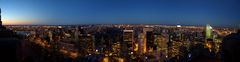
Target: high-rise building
x=208, y=32
x=3, y=31
x=9, y=44
x=157, y=41
x=140, y=43
x=145, y=31
x=127, y=44
x=150, y=41
x=128, y=39
x=0, y=17
x=76, y=34
x=160, y=41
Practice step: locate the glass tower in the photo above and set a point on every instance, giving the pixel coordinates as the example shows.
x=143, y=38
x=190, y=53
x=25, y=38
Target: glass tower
x=208, y=31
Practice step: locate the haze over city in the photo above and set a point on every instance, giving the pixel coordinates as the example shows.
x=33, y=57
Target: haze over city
x=185, y=12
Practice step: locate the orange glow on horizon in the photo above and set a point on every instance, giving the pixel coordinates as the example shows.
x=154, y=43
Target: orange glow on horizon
x=17, y=22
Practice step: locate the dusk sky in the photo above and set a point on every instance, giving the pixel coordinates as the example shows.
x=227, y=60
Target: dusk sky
x=187, y=12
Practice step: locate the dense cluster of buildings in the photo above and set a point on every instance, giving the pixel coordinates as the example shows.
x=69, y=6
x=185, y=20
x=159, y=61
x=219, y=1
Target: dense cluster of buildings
x=114, y=42
x=122, y=42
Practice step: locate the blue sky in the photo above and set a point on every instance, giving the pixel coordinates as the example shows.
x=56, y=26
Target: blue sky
x=187, y=12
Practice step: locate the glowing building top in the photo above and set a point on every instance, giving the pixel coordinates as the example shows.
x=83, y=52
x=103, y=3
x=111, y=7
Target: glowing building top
x=208, y=32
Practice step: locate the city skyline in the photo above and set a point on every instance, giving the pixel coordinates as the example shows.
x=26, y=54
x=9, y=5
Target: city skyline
x=216, y=13
x=119, y=31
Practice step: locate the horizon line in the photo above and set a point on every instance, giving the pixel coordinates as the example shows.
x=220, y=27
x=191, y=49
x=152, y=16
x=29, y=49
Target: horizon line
x=119, y=24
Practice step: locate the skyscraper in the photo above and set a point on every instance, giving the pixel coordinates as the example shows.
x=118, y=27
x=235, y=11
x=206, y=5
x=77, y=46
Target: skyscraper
x=145, y=31
x=150, y=41
x=208, y=32
x=9, y=44
x=140, y=42
x=127, y=44
x=5, y=33
x=0, y=17
x=1, y=26
x=128, y=38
